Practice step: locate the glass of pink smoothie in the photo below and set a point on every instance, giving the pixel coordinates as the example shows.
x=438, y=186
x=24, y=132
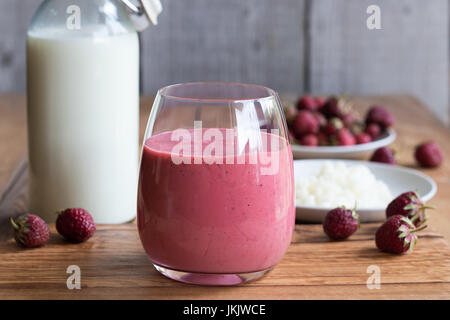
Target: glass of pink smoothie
x=216, y=184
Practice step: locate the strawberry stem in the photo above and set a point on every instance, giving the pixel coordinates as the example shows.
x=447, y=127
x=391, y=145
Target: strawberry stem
x=14, y=224
x=418, y=229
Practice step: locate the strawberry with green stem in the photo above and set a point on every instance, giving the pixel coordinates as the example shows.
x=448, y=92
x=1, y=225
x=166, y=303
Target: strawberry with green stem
x=30, y=231
x=409, y=205
x=397, y=235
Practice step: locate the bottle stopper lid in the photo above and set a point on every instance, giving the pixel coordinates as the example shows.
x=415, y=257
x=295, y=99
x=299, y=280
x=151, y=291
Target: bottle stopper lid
x=152, y=9
x=144, y=12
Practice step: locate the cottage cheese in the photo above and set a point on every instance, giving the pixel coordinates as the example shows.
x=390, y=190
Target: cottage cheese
x=339, y=185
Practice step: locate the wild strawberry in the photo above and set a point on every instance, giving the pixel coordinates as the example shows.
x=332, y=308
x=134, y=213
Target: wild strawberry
x=307, y=103
x=320, y=118
x=309, y=140
x=341, y=223
x=332, y=126
x=319, y=103
x=362, y=138
x=75, y=225
x=429, y=154
x=409, y=205
x=373, y=130
x=345, y=138
x=380, y=116
x=30, y=231
x=348, y=119
x=305, y=123
x=384, y=155
x=397, y=235
x=322, y=139
x=334, y=107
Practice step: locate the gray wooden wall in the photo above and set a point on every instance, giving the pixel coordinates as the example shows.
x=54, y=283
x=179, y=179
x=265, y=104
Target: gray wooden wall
x=294, y=46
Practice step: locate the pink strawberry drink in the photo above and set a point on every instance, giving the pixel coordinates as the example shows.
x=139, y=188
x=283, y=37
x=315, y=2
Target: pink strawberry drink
x=225, y=212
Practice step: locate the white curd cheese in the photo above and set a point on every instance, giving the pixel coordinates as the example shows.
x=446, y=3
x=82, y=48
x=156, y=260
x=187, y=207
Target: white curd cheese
x=339, y=185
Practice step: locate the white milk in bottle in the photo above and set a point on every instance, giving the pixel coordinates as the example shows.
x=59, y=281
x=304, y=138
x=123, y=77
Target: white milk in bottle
x=83, y=110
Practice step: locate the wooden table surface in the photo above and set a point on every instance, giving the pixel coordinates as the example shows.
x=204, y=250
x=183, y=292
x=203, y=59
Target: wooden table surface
x=114, y=265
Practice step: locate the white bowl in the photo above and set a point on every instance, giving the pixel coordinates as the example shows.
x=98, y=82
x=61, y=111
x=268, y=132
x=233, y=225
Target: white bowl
x=359, y=151
x=398, y=179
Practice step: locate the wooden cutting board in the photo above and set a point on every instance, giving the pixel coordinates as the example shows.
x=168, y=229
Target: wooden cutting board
x=114, y=266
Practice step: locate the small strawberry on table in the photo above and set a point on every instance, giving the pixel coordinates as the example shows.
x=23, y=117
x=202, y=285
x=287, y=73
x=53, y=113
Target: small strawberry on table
x=30, y=231
x=397, y=235
x=75, y=225
x=341, y=223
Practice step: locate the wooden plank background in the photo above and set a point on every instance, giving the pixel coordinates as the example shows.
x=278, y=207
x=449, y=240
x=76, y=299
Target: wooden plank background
x=319, y=46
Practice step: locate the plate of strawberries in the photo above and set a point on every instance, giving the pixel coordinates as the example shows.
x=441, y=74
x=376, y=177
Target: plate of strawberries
x=331, y=128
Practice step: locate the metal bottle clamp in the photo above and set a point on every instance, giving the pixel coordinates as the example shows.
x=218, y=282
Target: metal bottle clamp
x=151, y=8
x=134, y=8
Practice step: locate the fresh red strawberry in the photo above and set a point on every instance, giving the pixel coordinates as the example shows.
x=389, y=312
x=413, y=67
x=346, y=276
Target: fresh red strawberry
x=341, y=223
x=429, y=154
x=322, y=139
x=320, y=118
x=373, y=130
x=334, y=107
x=348, y=119
x=75, y=225
x=362, y=138
x=397, y=235
x=309, y=140
x=384, y=155
x=380, y=116
x=409, y=205
x=333, y=126
x=319, y=103
x=307, y=103
x=305, y=123
x=345, y=138
x=30, y=231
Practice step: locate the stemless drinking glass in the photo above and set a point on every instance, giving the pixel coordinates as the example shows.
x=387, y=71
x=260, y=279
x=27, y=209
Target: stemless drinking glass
x=216, y=184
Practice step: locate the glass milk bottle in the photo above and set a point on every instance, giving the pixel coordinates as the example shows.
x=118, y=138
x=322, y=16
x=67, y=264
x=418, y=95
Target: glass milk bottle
x=83, y=107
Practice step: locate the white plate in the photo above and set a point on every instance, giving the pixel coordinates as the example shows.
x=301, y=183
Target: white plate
x=359, y=151
x=398, y=179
